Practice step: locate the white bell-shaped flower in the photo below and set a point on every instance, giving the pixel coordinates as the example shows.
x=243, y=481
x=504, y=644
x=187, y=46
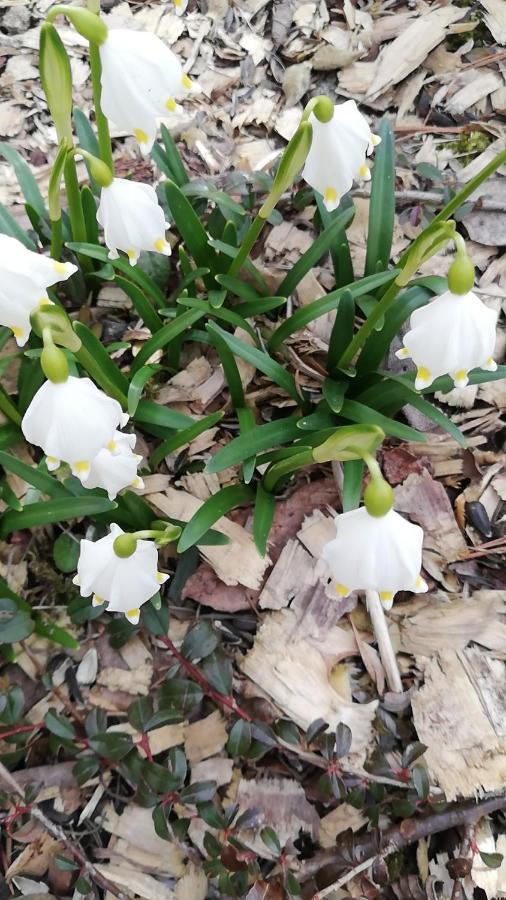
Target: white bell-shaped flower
x=180, y=6
x=24, y=279
x=132, y=219
x=375, y=553
x=124, y=583
x=72, y=421
x=453, y=334
x=115, y=466
x=141, y=80
x=337, y=156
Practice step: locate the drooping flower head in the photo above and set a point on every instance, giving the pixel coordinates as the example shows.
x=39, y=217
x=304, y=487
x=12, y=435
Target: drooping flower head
x=141, y=81
x=115, y=466
x=71, y=421
x=132, y=219
x=337, y=156
x=124, y=583
x=24, y=279
x=377, y=553
x=453, y=334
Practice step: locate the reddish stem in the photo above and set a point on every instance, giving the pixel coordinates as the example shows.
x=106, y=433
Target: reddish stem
x=145, y=745
x=197, y=676
x=21, y=729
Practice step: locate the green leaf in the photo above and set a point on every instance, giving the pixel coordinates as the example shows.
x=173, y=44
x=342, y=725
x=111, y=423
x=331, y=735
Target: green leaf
x=212, y=509
x=50, y=511
x=57, y=635
x=183, y=437
x=159, y=779
x=382, y=204
x=161, y=417
x=230, y=369
x=340, y=250
x=348, y=442
x=230, y=316
x=358, y=412
x=64, y=863
x=200, y=641
x=246, y=445
x=333, y=392
x=412, y=397
x=378, y=342
x=85, y=769
x=87, y=140
x=317, y=308
x=181, y=694
x=165, y=335
x=313, y=255
x=95, y=359
x=156, y=620
x=190, y=227
x=173, y=157
x=25, y=179
x=10, y=434
x=43, y=481
x=262, y=361
x=421, y=781
x=59, y=725
x=111, y=745
x=271, y=840
x=12, y=706
x=239, y=288
x=217, y=668
x=15, y=624
x=260, y=306
x=262, y=519
x=90, y=214
x=342, y=330
x=353, y=473
x=66, y=551
x=137, y=385
x=9, y=225
x=239, y=739
x=200, y=792
x=144, y=309
x=492, y=860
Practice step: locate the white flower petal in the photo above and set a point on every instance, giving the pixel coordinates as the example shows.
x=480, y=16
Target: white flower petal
x=24, y=279
x=71, y=421
x=451, y=335
x=124, y=583
x=337, y=156
x=382, y=554
x=115, y=466
x=141, y=79
x=132, y=219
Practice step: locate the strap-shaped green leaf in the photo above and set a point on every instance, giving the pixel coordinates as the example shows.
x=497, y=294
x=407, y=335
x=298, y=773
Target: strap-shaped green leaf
x=190, y=227
x=365, y=415
x=214, y=508
x=340, y=249
x=43, y=481
x=183, y=437
x=25, y=178
x=137, y=385
x=382, y=204
x=265, y=504
x=134, y=273
x=50, y=511
x=165, y=335
x=262, y=438
x=8, y=225
x=313, y=254
x=144, y=309
x=95, y=359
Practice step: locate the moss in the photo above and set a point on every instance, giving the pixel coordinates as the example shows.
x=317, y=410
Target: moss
x=468, y=145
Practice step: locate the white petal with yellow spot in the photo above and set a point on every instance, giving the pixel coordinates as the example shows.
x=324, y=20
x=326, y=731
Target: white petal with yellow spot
x=141, y=81
x=123, y=583
x=132, y=219
x=24, y=279
x=72, y=421
x=115, y=466
x=453, y=334
x=377, y=553
x=337, y=156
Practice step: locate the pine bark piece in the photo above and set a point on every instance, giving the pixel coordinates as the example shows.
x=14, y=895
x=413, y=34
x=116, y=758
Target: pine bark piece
x=460, y=714
x=439, y=626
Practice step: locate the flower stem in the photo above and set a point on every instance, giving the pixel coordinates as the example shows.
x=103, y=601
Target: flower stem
x=56, y=238
x=462, y=195
x=104, y=137
x=381, y=633
x=248, y=242
x=366, y=329
x=77, y=223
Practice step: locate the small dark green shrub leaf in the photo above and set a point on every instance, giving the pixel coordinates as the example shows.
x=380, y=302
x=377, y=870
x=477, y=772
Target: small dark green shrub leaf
x=200, y=641
x=239, y=739
x=492, y=860
x=271, y=840
x=59, y=725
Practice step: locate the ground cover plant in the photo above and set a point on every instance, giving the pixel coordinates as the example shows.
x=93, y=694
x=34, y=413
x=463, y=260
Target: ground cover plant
x=86, y=430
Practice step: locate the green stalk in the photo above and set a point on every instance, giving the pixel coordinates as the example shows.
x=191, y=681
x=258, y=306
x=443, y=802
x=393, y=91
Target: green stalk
x=89, y=363
x=104, y=137
x=470, y=187
x=8, y=408
x=363, y=333
x=76, y=214
x=56, y=238
x=248, y=242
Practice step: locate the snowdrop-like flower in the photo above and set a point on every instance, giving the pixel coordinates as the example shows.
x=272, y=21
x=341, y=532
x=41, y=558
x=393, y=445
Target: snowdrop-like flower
x=123, y=582
x=453, y=334
x=141, y=80
x=72, y=420
x=115, y=466
x=132, y=219
x=337, y=156
x=180, y=6
x=377, y=553
x=24, y=279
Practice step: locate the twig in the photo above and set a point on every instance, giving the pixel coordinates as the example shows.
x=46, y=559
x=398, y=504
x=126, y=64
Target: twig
x=344, y=880
x=407, y=832
x=21, y=729
x=59, y=835
x=197, y=676
x=434, y=197
x=383, y=641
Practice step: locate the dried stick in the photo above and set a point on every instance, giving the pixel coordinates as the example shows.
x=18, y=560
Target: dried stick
x=56, y=832
x=383, y=641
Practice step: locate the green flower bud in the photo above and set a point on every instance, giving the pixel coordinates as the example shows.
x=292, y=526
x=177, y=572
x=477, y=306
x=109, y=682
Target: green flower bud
x=54, y=319
x=124, y=545
x=56, y=79
x=54, y=364
x=321, y=107
x=461, y=275
x=85, y=22
x=289, y=167
x=378, y=497
x=98, y=169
